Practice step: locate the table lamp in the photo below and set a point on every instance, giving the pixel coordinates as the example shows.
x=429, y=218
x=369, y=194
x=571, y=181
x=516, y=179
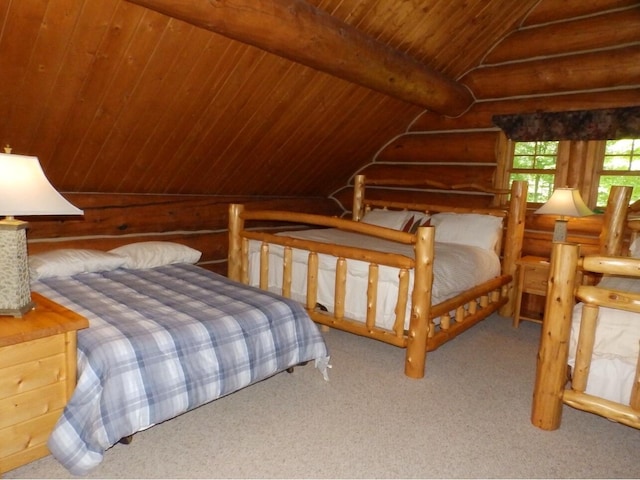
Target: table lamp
x=565, y=202
x=24, y=190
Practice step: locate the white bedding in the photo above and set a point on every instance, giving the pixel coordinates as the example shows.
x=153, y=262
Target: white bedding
x=456, y=268
x=616, y=347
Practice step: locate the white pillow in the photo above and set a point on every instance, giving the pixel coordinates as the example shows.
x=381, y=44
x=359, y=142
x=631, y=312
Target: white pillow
x=473, y=229
x=155, y=254
x=70, y=261
x=395, y=219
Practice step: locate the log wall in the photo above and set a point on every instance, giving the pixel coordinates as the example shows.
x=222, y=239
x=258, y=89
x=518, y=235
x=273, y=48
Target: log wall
x=199, y=221
x=565, y=57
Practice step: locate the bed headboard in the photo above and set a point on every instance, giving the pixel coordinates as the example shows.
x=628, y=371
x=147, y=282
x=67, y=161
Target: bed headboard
x=361, y=202
x=509, y=204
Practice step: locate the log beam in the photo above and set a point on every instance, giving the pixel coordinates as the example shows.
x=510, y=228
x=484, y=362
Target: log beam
x=553, y=75
x=300, y=32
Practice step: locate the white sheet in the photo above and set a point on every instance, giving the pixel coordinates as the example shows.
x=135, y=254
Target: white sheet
x=456, y=269
x=613, y=364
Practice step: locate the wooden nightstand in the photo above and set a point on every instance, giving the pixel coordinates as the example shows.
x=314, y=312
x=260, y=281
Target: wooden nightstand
x=37, y=377
x=533, y=275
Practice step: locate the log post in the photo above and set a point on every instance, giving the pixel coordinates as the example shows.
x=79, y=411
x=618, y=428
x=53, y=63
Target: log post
x=513, y=241
x=612, y=234
x=416, y=355
x=357, y=209
x=236, y=225
x=634, y=401
x=553, y=354
x=584, y=348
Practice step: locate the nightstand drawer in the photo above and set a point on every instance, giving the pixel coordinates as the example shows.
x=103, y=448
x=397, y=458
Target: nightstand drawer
x=536, y=279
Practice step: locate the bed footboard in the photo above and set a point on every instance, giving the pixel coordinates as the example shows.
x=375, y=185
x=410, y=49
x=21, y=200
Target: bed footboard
x=555, y=384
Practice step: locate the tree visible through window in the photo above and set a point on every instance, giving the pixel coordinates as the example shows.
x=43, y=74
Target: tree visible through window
x=620, y=166
x=535, y=162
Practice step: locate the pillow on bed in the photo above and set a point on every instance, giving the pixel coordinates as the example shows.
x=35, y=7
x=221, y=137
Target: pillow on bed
x=395, y=219
x=155, y=254
x=403, y=220
x=70, y=261
x=473, y=229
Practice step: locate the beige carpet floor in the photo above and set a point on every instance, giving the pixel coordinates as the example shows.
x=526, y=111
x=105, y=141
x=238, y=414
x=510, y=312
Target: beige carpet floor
x=468, y=418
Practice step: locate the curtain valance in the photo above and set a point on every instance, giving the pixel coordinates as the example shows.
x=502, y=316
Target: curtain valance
x=603, y=124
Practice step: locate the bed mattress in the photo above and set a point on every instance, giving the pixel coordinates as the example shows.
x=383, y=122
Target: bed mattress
x=457, y=268
x=163, y=341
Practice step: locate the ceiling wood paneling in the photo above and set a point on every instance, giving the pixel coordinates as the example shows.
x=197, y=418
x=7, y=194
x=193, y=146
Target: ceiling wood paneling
x=116, y=98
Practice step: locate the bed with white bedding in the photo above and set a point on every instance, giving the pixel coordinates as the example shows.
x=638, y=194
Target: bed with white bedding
x=413, y=275
x=165, y=340
x=589, y=355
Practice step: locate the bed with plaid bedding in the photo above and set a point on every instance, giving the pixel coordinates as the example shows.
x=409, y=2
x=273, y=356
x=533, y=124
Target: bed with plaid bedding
x=163, y=341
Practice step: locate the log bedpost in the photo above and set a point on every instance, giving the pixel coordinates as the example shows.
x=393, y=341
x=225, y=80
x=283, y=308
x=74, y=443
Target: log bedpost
x=513, y=241
x=612, y=234
x=416, y=355
x=236, y=225
x=551, y=369
x=357, y=209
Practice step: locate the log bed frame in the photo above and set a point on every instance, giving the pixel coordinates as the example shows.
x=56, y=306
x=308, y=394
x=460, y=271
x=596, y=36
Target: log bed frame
x=423, y=334
x=555, y=385
x=570, y=278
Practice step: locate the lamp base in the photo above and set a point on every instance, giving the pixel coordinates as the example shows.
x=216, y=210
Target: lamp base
x=15, y=291
x=560, y=231
x=18, y=312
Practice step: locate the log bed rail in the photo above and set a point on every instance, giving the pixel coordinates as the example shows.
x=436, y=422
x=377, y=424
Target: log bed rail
x=552, y=387
x=423, y=334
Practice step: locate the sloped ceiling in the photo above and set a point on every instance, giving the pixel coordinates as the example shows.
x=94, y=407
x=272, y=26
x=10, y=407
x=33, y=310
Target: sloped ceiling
x=116, y=97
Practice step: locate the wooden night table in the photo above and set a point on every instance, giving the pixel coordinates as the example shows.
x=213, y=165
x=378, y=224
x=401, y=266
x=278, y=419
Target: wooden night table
x=533, y=276
x=37, y=378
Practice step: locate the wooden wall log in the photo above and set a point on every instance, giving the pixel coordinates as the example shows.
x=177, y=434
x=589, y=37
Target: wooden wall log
x=298, y=31
x=451, y=175
x=480, y=115
x=467, y=147
x=583, y=71
x=583, y=34
x=552, y=10
x=345, y=197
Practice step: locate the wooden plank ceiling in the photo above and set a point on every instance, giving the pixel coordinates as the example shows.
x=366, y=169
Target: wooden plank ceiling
x=116, y=97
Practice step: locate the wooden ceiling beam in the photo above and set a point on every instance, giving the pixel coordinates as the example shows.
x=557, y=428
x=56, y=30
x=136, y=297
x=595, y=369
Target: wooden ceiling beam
x=300, y=32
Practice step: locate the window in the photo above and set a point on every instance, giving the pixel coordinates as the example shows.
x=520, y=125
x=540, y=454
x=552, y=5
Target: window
x=535, y=162
x=620, y=166
x=595, y=167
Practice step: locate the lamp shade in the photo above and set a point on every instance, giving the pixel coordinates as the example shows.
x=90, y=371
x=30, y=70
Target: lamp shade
x=25, y=190
x=565, y=202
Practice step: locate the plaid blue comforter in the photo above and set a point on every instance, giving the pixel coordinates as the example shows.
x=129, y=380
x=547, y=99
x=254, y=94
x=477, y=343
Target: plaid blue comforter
x=163, y=341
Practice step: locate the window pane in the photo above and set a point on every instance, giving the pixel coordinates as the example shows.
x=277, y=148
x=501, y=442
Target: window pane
x=620, y=156
x=615, y=163
x=523, y=161
x=535, y=162
x=540, y=186
x=608, y=181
